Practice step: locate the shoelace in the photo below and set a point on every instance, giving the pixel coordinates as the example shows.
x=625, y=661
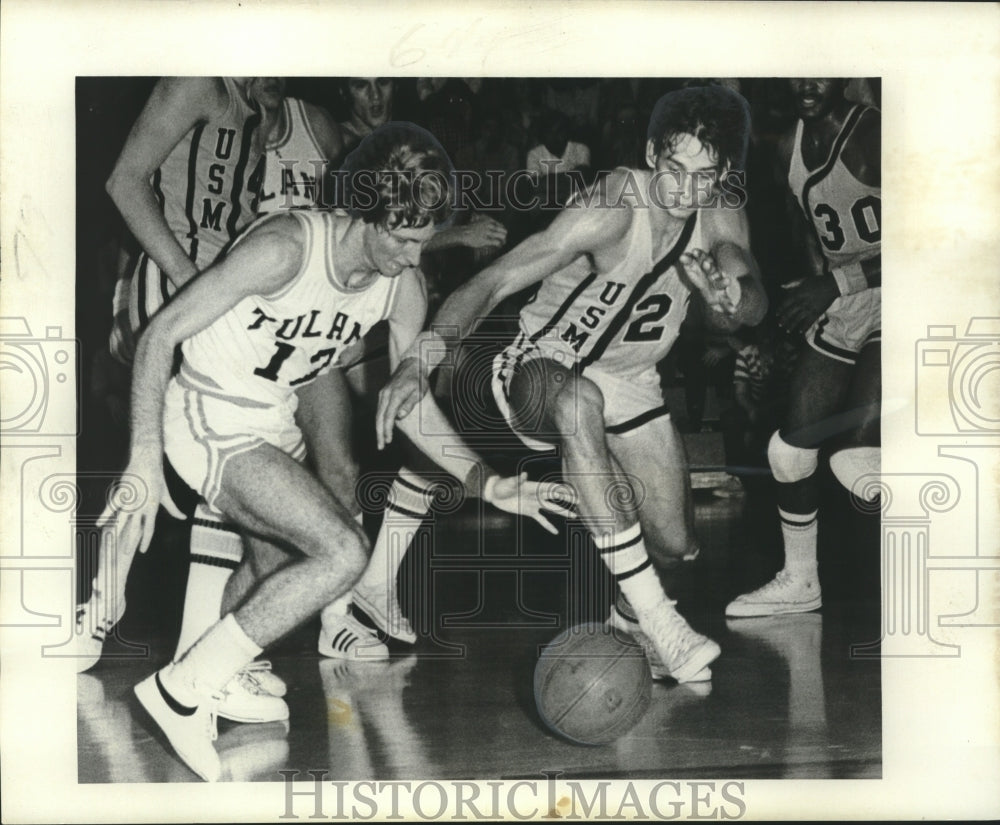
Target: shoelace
x=249, y=679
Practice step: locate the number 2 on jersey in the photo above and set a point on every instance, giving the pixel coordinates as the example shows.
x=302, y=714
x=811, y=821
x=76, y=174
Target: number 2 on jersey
x=639, y=330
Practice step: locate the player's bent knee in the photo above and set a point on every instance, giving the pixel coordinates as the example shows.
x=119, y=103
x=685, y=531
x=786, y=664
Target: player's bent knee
x=850, y=466
x=789, y=463
x=578, y=400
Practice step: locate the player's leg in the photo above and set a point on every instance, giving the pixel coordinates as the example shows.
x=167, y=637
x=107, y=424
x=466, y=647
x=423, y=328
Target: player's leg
x=268, y=494
x=858, y=454
x=546, y=398
x=651, y=453
x=376, y=593
x=818, y=394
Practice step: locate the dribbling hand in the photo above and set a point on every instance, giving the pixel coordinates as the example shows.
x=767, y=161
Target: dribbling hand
x=517, y=495
x=133, y=516
x=720, y=290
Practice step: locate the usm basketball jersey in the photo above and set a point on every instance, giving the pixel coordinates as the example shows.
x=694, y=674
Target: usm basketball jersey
x=623, y=321
x=209, y=184
x=264, y=348
x=295, y=163
x=845, y=213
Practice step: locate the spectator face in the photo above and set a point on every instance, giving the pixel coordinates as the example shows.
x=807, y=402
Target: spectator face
x=371, y=100
x=686, y=176
x=815, y=97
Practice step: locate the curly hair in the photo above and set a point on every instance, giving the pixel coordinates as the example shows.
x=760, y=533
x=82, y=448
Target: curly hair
x=398, y=176
x=717, y=116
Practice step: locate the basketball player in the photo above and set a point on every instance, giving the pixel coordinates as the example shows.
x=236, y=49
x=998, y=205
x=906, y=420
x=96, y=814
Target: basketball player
x=271, y=316
x=832, y=159
x=303, y=143
x=186, y=182
x=616, y=275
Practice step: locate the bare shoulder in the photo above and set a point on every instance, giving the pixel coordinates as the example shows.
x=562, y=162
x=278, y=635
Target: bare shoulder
x=279, y=241
x=204, y=96
x=862, y=154
x=326, y=130
x=603, y=215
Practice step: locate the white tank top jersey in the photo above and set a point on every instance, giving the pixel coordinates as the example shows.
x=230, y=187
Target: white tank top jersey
x=263, y=349
x=295, y=163
x=208, y=186
x=846, y=214
x=623, y=321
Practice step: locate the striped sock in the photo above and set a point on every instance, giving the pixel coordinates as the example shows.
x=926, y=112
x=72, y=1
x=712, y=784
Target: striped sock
x=216, y=551
x=409, y=502
x=624, y=553
x=799, y=531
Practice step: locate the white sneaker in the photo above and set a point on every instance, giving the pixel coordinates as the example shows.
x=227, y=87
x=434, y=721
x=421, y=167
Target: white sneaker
x=783, y=594
x=382, y=608
x=191, y=731
x=94, y=621
x=681, y=652
x=619, y=621
x=244, y=699
x=260, y=670
x=344, y=637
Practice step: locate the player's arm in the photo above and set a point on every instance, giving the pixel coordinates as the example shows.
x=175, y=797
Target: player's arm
x=726, y=275
x=574, y=232
x=863, y=158
x=481, y=232
x=445, y=447
x=176, y=105
x=331, y=144
x=324, y=415
x=261, y=264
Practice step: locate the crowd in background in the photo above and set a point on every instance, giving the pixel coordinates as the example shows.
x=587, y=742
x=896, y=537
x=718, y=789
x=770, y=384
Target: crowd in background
x=549, y=127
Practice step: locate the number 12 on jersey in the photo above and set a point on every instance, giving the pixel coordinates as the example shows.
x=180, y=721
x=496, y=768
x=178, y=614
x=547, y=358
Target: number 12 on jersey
x=323, y=357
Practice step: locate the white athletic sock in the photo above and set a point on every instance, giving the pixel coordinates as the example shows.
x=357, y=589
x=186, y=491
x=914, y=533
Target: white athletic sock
x=409, y=502
x=799, y=531
x=216, y=551
x=624, y=553
x=331, y=614
x=211, y=663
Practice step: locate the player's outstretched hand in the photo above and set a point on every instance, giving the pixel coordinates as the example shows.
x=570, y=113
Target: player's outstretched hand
x=517, y=495
x=720, y=290
x=806, y=301
x=398, y=397
x=133, y=504
x=484, y=232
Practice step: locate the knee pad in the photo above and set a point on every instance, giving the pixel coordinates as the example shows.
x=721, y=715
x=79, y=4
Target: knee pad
x=788, y=463
x=850, y=465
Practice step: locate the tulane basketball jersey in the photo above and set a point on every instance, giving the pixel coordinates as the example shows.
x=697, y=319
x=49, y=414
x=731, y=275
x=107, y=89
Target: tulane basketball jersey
x=209, y=184
x=623, y=321
x=295, y=164
x=846, y=213
x=265, y=347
